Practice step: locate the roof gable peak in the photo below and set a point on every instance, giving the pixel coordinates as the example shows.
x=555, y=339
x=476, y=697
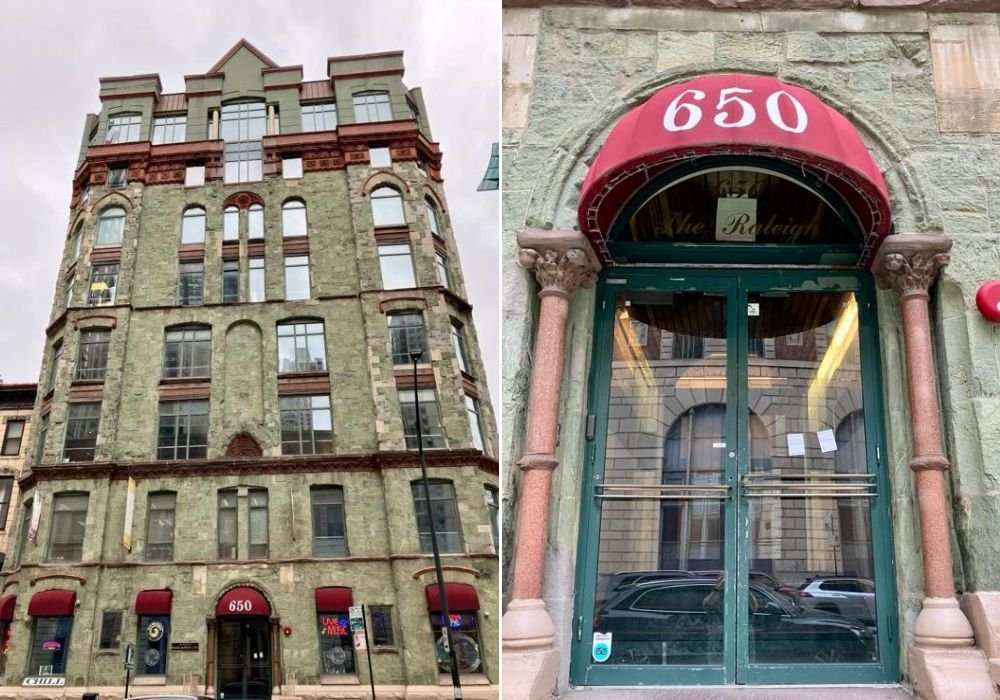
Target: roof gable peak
x=242, y=44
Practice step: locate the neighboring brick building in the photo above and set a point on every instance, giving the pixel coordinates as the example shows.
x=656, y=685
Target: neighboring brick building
x=16, y=404
x=227, y=433
x=750, y=369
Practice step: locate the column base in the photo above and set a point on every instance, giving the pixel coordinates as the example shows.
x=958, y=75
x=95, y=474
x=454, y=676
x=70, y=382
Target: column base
x=941, y=623
x=946, y=674
x=530, y=674
x=526, y=625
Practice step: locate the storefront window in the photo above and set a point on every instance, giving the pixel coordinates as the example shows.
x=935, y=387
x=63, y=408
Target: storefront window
x=151, y=657
x=336, y=650
x=464, y=635
x=49, y=646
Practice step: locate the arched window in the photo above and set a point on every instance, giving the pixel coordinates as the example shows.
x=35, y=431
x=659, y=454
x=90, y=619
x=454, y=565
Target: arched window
x=432, y=216
x=387, y=207
x=230, y=224
x=110, y=226
x=293, y=218
x=77, y=238
x=255, y=221
x=193, y=225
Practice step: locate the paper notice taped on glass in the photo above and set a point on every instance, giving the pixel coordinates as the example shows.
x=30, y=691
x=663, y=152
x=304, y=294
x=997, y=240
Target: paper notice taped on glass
x=827, y=442
x=796, y=444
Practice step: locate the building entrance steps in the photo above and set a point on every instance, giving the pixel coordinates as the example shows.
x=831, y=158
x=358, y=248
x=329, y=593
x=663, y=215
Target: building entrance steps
x=825, y=692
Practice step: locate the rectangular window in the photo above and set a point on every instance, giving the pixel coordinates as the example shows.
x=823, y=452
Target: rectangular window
x=22, y=535
x=257, y=503
x=382, y=634
x=291, y=168
x=297, y=277
x=458, y=344
x=445, y=512
x=228, y=527
x=319, y=117
x=255, y=221
x=81, y=432
x=68, y=301
x=92, y=360
x=242, y=127
x=306, y=427
x=103, y=285
x=54, y=367
x=230, y=281
x=169, y=129
x=475, y=424
x=406, y=333
x=301, y=347
x=110, y=227
x=77, y=240
x=396, y=265
x=6, y=490
x=430, y=421
x=187, y=352
x=151, y=649
x=372, y=107
x=69, y=524
x=493, y=508
x=117, y=176
x=329, y=538
x=441, y=264
x=194, y=176
x=231, y=224
x=190, y=281
x=123, y=128
x=378, y=157
x=49, y=646
x=12, y=441
x=183, y=430
x=43, y=432
x=111, y=629
x=160, y=527
x=464, y=630
x=336, y=649
x=255, y=281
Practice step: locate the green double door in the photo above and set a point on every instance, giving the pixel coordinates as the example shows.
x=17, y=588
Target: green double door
x=735, y=505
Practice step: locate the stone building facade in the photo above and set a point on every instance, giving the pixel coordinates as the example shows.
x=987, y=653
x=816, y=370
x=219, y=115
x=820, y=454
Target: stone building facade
x=779, y=411
x=226, y=451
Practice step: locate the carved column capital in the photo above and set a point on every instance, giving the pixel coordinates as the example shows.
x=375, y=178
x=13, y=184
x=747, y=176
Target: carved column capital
x=562, y=261
x=909, y=262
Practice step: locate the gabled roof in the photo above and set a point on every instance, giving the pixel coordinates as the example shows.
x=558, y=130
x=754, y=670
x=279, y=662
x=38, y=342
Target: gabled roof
x=242, y=44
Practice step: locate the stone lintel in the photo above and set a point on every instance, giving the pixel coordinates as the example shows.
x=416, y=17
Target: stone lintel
x=909, y=262
x=562, y=261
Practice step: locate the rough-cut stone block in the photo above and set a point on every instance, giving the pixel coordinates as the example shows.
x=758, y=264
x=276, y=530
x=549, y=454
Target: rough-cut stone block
x=966, y=60
x=812, y=47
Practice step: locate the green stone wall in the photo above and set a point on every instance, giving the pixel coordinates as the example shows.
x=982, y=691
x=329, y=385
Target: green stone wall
x=571, y=72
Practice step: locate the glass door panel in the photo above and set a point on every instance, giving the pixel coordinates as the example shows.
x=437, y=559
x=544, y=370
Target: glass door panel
x=808, y=487
x=663, y=495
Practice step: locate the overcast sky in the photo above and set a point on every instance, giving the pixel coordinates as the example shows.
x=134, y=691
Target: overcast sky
x=53, y=53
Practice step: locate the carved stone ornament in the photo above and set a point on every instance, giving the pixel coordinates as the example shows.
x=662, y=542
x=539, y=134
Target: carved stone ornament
x=909, y=263
x=561, y=260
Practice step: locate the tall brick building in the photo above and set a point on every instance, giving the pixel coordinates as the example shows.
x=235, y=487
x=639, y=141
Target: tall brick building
x=225, y=446
x=750, y=303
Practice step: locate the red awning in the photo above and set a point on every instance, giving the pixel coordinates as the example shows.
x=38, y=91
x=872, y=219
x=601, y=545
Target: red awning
x=7, y=604
x=242, y=601
x=153, y=602
x=334, y=599
x=461, y=596
x=733, y=114
x=54, y=603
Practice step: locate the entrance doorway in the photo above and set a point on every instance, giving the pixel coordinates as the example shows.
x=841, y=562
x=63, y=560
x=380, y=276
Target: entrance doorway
x=735, y=515
x=244, y=658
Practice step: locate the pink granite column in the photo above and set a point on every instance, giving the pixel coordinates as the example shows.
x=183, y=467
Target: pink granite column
x=562, y=262
x=909, y=264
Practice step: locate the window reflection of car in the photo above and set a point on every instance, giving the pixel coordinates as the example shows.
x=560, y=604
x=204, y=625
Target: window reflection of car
x=678, y=622
x=761, y=578
x=611, y=584
x=845, y=595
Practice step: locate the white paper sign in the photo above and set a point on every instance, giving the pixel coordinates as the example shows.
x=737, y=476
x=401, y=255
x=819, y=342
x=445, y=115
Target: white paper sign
x=36, y=515
x=129, y=514
x=827, y=442
x=796, y=444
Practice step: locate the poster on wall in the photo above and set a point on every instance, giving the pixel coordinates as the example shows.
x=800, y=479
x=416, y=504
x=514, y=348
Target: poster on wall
x=36, y=515
x=129, y=515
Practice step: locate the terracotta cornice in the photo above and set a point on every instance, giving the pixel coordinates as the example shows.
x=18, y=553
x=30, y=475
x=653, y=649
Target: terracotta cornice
x=909, y=262
x=370, y=130
x=261, y=465
x=118, y=151
x=562, y=261
x=302, y=140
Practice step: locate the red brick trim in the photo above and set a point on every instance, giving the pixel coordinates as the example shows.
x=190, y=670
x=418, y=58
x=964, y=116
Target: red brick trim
x=439, y=245
x=256, y=248
x=469, y=386
x=394, y=234
x=86, y=391
x=404, y=378
x=185, y=388
x=242, y=200
x=302, y=383
x=297, y=245
x=230, y=250
x=109, y=254
x=191, y=252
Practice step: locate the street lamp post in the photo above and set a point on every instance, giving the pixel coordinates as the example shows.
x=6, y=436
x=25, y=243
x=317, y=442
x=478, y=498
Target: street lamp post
x=415, y=355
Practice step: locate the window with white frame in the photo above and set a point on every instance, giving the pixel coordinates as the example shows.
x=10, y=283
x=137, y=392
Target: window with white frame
x=372, y=107
x=255, y=221
x=123, y=128
x=193, y=225
x=475, y=422
x=297, y=277
x=187, y=352
x=293, y=218
x=103, y=285
x=432, y=217
x=255, y=279
x=441, y=266
x=110, y=226
x=319, y=117
x=430, y=418
x=406, y=333
x=306, y=427
x=301, y=346
x=230, y=224
x=396, y=266
x=230, y=281
x=387, y=207
x=169, y=129
x=458, y=344
x=69, y=525
x=242, y=127
x=378, y=157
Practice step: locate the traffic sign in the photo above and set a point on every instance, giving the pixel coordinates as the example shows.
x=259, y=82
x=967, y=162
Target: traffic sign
x=357, y=615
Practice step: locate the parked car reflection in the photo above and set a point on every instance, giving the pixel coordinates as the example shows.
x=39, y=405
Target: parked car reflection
x=680, y=622
x=851, y=596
